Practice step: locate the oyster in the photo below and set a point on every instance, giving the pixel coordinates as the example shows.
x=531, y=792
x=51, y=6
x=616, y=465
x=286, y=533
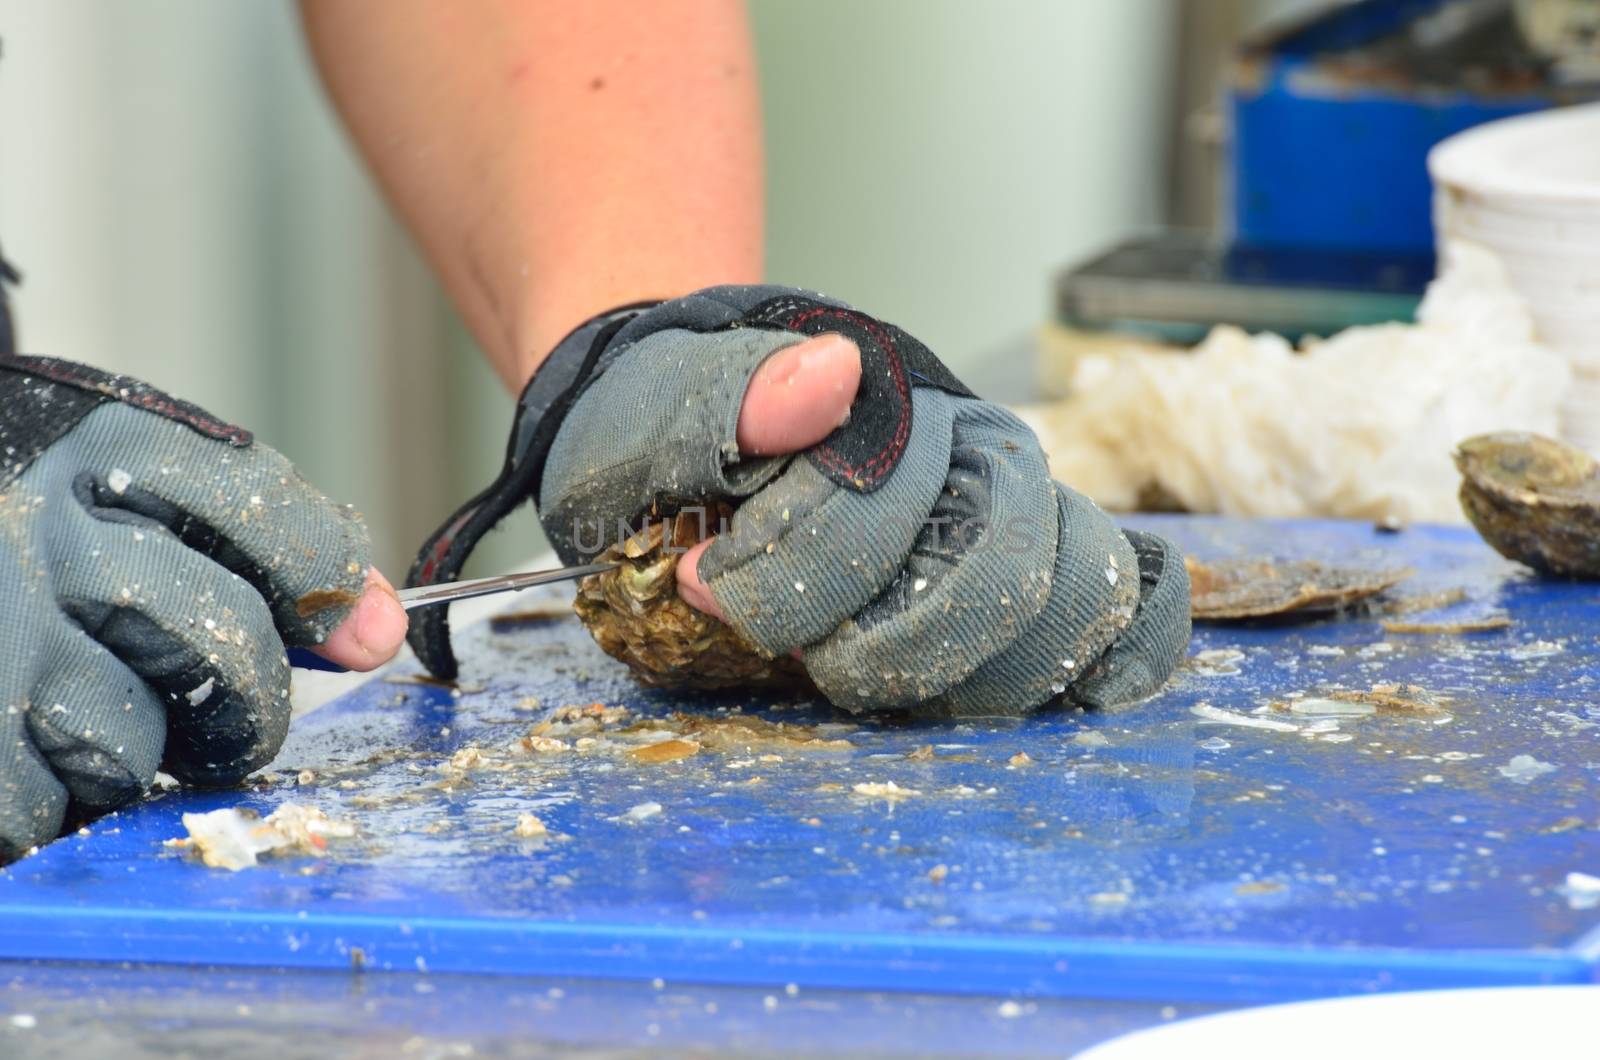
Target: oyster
x=1534, y=500
x=635, y=614
x=1255, y=588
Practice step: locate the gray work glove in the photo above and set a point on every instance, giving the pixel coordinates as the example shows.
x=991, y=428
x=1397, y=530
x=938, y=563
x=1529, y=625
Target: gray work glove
x=154, y=562
x=920, y=556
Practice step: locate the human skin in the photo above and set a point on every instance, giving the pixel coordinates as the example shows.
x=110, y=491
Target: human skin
x=554, y=160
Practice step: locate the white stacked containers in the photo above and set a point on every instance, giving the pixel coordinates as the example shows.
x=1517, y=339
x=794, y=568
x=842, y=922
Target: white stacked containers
x=1528, y=189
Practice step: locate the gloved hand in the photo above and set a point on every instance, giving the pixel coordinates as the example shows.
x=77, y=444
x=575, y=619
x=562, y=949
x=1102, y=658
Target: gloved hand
x=154, y=562
x=919, y=557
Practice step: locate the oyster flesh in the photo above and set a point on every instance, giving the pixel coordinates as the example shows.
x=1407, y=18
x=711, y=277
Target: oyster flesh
x=635, y=614
x=1534, y=500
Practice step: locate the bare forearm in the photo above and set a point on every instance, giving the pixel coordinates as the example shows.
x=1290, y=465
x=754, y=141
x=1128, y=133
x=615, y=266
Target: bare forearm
x=553, y=158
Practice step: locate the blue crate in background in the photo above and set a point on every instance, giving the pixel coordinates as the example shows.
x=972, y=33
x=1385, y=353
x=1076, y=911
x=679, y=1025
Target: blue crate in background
x=1333, y=118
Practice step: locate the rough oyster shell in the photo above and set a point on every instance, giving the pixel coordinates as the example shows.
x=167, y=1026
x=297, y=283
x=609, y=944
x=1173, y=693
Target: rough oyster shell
x=635, y=614
x=1534, y=500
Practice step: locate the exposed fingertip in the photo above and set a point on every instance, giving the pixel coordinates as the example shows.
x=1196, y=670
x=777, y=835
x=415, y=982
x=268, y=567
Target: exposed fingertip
x=690, y=587
x=830, y=349
x=372, y=632
x=381, y=624
x=375, y=577
x=800, y=396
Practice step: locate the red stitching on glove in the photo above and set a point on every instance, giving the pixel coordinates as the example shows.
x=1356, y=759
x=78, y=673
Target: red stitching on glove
x=877, y=466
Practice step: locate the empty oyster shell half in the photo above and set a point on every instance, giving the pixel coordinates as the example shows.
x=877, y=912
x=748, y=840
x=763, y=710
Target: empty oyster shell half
x=1534, y=500
x=1256, y=588
x=635, y=614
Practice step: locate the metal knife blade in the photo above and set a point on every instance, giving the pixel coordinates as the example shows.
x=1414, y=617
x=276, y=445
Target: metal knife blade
x=423, y=595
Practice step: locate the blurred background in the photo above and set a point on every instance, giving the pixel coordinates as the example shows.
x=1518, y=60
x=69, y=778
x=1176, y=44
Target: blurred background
x=185, y=208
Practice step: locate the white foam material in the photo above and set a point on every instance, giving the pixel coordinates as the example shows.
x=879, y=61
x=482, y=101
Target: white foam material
x=1360, y=425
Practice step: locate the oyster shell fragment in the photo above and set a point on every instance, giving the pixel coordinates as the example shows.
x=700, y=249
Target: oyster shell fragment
x=1255, y=588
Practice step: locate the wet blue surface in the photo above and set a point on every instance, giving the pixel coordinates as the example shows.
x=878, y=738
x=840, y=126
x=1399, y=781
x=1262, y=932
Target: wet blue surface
x=259, y=1014
x=1147, y=855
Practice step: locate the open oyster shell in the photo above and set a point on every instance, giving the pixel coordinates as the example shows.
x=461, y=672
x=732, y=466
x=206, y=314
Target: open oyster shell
x=1534, y=500
x=1257, y=588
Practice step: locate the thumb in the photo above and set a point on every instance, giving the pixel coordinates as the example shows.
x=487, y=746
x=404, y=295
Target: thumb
x=372, y=632
x=799, y=396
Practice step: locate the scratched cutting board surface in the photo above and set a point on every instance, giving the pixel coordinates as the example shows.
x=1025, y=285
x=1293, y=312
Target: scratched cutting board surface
x=1149, y=853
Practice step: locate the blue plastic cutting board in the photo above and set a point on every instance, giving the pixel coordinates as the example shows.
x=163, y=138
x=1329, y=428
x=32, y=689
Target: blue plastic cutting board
x=1143, y=854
